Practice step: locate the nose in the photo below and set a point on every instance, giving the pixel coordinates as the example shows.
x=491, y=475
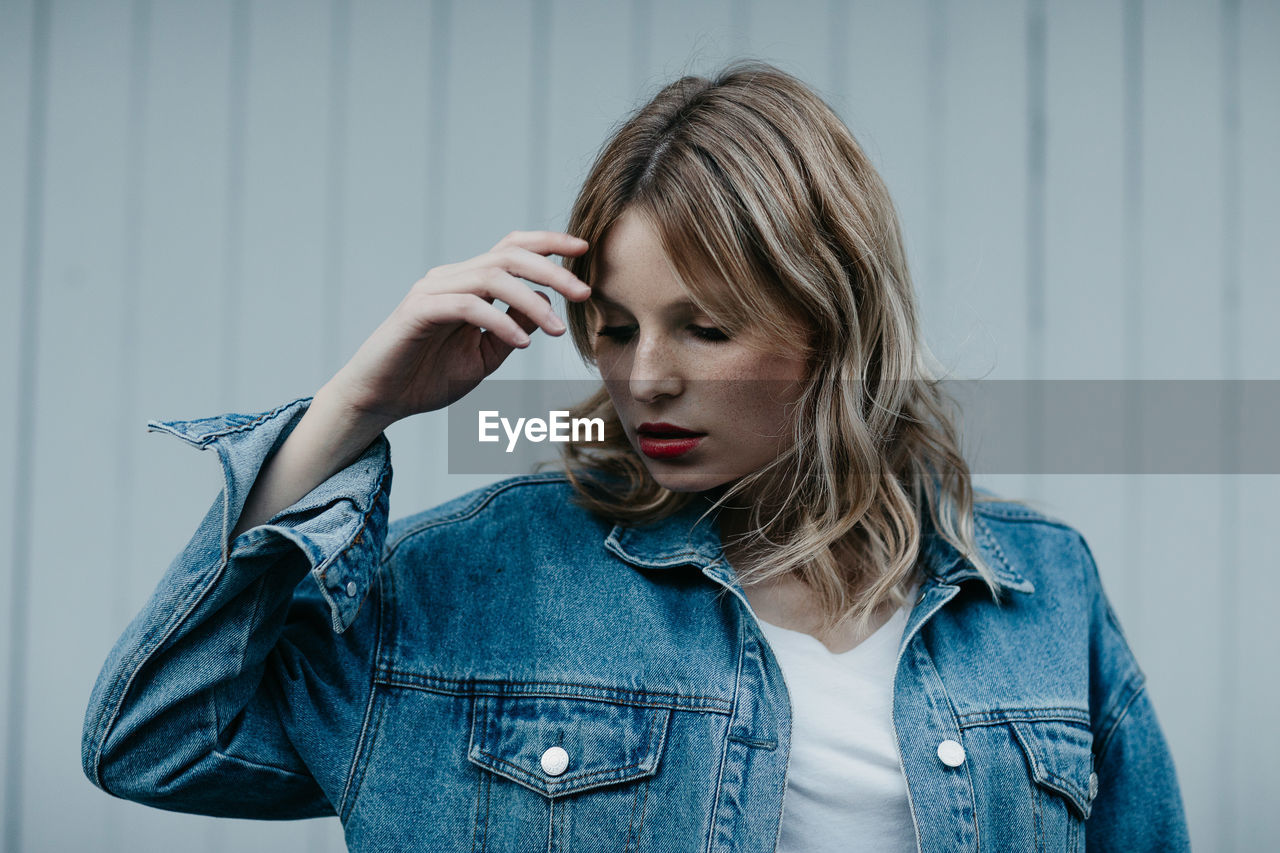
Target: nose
x=654, y=372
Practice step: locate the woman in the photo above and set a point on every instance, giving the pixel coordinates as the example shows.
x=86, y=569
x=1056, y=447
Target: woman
x=768, y=611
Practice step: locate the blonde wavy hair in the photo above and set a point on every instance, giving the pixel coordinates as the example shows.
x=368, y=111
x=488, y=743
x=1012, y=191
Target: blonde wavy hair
x=775, y=220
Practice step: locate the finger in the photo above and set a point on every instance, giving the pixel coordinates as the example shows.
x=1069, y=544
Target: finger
x=545, y=242
x=547, y=300
x=495, y=349
x=470, y=308
x=490, y=283
x=535, y=268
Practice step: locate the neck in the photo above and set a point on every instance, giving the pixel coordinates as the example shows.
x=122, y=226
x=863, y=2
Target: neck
x=734, y=520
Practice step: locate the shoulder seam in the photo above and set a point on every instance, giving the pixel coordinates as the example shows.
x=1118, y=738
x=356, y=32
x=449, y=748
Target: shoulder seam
x=1139, y=682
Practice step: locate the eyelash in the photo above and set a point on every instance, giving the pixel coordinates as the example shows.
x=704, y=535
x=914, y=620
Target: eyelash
x=706, y=333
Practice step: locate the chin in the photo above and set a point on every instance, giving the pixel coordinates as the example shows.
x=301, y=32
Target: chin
x=687, y=481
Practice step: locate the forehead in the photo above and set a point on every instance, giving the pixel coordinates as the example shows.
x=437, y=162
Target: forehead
x=632, y=249
x=632, y=267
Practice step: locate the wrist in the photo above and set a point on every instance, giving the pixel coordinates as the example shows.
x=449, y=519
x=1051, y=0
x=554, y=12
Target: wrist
x=337, y=408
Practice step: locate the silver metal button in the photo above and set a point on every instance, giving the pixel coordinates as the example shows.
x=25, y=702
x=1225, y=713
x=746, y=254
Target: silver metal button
x=554, y=761
x=351, y=588
x=1093, y=785
x=951, y=753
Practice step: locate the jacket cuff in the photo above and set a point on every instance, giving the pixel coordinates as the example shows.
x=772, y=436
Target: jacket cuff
x=339, y=526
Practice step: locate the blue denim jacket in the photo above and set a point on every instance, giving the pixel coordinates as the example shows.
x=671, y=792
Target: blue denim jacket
x=411, y=678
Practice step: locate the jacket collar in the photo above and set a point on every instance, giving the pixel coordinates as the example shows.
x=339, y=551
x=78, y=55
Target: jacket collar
x=676, y=541
x=672, y=541
x=945, y=562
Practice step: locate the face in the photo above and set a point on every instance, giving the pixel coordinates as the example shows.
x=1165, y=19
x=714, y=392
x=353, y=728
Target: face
x=665, y=363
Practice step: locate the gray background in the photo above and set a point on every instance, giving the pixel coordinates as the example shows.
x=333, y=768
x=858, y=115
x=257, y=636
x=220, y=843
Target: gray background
x=206, y=207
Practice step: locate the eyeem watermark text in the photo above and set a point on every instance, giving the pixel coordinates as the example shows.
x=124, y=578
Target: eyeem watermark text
x=1008, y=426
x=559, y=427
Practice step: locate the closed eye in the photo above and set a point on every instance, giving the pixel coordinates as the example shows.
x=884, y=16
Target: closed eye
x=709, y=333
x=624, y=333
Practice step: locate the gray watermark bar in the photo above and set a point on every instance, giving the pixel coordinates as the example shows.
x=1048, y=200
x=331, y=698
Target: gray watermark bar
x=1006, y=426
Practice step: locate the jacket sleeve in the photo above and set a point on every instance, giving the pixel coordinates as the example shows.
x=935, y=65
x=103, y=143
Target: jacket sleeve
x=1138, y=804
x=244, y=642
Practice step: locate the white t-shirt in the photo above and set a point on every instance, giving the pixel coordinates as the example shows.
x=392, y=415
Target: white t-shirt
x=845, y=787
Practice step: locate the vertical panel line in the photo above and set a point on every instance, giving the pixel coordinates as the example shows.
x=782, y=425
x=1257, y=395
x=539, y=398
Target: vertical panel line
x=335, y=184
x=838, y=30
x=437, y=124
x=936, y=135
x=539, y=165
x=24, y=409
x=1229, y=694
x=1036, y=178
x=232, y=292
x=125, y=464
x=539, y=110
x=641, y=43
x=1133, y=242
x=739, y=27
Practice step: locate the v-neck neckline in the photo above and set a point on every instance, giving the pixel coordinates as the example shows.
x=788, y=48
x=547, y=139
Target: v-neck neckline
x=766, y=626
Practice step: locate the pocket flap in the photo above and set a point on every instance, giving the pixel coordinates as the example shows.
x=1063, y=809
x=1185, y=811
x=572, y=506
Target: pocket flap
x=1060, y=755
x=606, y=742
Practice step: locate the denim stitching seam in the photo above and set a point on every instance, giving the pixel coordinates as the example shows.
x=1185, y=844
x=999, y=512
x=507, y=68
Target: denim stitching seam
x=551, y=690
x=923, y=655
x=1123, y=712
x=205, y=438
x=1044, y=776
x=146, y=648
x=357, y=759
x=322, y=570
x=724, y=752
x=474, y=507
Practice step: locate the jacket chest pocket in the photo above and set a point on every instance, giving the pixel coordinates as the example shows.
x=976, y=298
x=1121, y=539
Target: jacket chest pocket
x=1032, y=776
x=1059, y=758
x=560, y=773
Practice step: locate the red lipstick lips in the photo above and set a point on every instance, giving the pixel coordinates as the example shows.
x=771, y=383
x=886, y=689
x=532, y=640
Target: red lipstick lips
x=665, y=441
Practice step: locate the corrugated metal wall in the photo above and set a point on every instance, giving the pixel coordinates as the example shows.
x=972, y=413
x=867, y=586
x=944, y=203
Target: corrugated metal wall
x=206, y=207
